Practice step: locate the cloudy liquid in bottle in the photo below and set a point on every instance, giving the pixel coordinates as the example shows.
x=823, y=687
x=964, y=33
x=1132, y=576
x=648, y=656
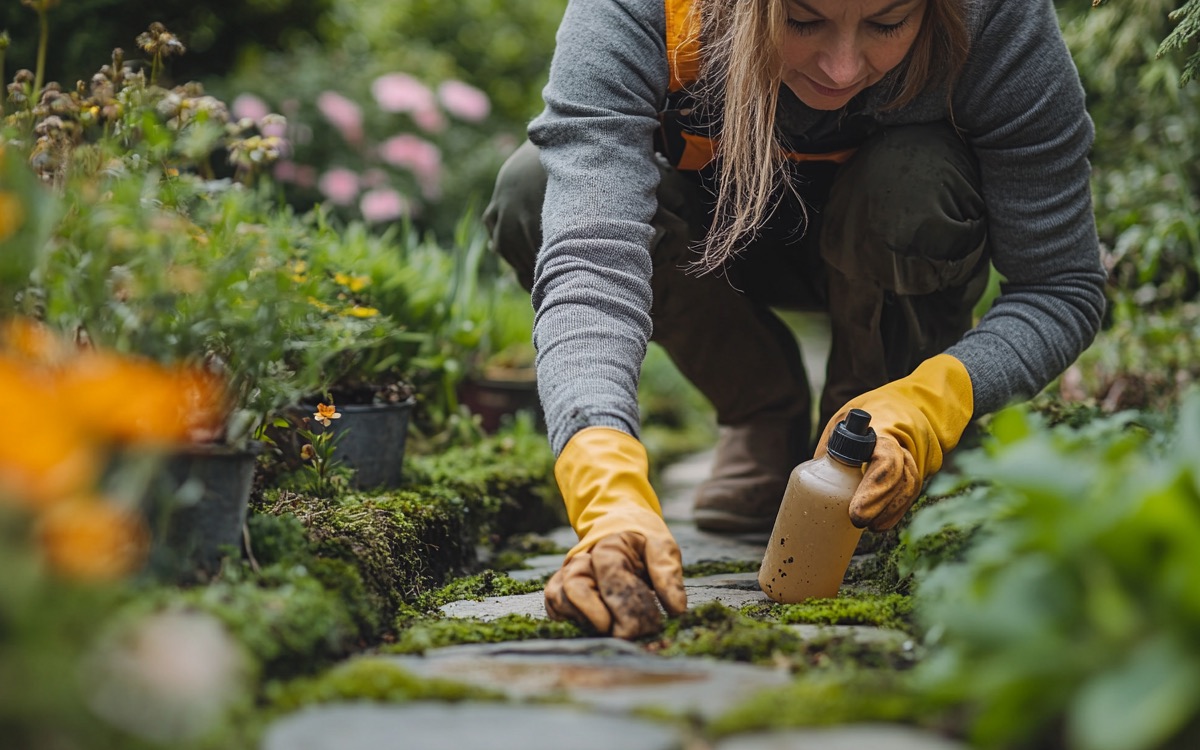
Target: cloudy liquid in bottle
x=813, y=539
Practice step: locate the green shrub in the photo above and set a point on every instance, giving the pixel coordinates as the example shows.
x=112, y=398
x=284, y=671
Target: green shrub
x=1072, y=614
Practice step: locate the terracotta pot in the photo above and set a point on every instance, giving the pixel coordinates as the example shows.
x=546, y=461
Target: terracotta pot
x=494, y=398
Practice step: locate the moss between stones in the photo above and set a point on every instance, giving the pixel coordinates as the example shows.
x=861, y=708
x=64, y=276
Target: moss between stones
x=718, y=567
x=828, y=698
x=475, y=588
x=517, y=548
x=889, y=611
x=716, y=631
x=373, y=679
x=423, y=635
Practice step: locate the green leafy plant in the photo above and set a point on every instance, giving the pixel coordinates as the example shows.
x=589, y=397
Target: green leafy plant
x=1071, y=615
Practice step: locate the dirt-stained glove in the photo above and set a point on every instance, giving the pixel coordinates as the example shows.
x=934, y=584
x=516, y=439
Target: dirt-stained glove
x=917, y=420
x=626, y=560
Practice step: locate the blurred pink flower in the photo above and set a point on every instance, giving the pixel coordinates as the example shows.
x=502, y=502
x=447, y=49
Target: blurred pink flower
x=339, y=185
x=343, y=114
x=273, y=125
x=430, y=120
x=400, y=92
x=384, y=204
x=419, y=156
x=306, y=176
x=249, y=106
x=464, y=101
x=411, y=152
x=374, y=178
x=285, y=171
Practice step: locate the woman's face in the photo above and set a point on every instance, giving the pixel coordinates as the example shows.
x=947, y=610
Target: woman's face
x=834, y=49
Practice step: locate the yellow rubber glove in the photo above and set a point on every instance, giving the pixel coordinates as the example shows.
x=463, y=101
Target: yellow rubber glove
x=917, y=420
x=624, y=545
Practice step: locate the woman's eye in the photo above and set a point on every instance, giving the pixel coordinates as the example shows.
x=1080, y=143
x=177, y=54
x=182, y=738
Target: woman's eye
x=803, y=27
x=890, y=29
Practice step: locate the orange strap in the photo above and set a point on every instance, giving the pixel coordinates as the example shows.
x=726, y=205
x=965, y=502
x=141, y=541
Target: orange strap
x=683, y=42
x=699, y=151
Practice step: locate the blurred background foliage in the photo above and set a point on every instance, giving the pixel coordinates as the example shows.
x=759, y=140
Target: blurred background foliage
x=1089, y=571
x=341, y=46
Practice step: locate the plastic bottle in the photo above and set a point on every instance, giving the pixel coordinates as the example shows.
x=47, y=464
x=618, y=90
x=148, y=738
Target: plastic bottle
x=813, y=539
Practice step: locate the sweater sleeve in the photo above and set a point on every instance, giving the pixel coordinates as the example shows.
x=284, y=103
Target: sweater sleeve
x=1021, y=105
x=591, y=288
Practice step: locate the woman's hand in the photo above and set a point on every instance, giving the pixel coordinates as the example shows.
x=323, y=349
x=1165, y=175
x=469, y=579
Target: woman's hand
x=917, y=420
x=617, y=586
x=626, y=561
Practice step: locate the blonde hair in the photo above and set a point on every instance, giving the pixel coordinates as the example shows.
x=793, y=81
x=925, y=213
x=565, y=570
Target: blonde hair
x=741, y=70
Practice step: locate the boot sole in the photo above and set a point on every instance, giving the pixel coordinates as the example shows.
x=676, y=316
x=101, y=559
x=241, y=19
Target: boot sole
x=724, y=522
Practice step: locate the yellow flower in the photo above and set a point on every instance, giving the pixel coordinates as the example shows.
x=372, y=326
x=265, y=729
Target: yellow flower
x=12, y=215
x=308, y=452
x=318, y=303
x=353, y=283
x=326, y=413
x=361, y=311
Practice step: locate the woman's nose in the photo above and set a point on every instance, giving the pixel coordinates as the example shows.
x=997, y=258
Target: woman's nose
x=841, y=62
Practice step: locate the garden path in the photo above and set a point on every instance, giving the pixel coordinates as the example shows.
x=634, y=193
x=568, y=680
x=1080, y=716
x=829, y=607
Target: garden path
x=595, y=692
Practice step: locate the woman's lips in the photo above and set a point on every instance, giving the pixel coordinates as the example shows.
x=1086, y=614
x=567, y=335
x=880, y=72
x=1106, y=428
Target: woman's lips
x=826, y=91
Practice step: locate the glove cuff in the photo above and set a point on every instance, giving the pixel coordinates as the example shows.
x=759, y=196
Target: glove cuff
x=603, y=474
x=941, y=388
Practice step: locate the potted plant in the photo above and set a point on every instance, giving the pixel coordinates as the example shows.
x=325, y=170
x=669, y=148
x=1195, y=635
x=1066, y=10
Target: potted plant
x=503, y=380
x=154, y=259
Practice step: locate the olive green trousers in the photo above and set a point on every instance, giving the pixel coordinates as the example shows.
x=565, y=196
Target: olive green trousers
x=896, y=254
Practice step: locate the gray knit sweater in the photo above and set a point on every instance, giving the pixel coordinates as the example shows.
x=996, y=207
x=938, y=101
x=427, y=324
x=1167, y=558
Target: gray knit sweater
x=1019, y=102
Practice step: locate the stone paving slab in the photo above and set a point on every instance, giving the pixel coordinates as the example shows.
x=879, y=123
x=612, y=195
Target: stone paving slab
x=618, y=678
x=463, y=726
x=864, y=634
x=538, y=567
x=848, y=737
x=493, y=607
x=532, y=604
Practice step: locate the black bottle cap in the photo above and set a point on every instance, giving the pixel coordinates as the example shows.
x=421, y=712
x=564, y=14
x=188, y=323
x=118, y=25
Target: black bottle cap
x=853, y=440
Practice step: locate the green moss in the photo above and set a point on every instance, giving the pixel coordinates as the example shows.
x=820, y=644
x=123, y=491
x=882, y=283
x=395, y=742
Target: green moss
x=827, y=698
x=507, y=480
x=343, y=579
x=475, y=588
x=515, y=549
x=423, y=635
x=714, y=630
x=284, y=617
x=889, y=611
x=402, y=543
x=373, y=679
x=278, y=539
x=717, y=567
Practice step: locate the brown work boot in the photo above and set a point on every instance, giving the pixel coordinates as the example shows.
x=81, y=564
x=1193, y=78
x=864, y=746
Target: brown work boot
x=750, y=474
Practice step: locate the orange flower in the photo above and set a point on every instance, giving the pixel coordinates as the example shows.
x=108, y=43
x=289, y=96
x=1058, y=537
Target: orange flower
x=325, y=413
x=138, y=401
x=28, y=339
x=12, y=215
x=48, y=455
x=93, y=539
